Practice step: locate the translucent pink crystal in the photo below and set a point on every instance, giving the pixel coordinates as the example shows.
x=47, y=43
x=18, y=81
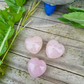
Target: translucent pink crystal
x=33, y=44
x=54, y=49
x=36, y=67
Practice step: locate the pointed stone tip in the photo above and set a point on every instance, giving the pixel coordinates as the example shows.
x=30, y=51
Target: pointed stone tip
x=49, y=9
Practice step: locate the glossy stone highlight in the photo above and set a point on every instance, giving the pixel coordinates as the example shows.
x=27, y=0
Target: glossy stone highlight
x=33, y=44
x=54, y=49
x=36, y=67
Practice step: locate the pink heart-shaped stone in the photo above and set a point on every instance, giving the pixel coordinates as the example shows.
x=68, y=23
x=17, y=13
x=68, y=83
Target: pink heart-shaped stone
x=36, y=67
x=33, y=44
x=54, y=49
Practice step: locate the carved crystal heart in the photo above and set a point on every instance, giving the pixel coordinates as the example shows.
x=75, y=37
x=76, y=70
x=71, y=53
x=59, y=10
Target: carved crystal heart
x=36, y=67
x=54, y=49
x=33, y=44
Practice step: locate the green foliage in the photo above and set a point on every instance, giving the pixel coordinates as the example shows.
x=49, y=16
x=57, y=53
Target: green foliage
x=8, y=17
x=15, y=11
x=6, y=31
x=75, y=17
x=73, y=9
x=7, y=20
x=71, y=22
x=10, y=2
x=20, y=2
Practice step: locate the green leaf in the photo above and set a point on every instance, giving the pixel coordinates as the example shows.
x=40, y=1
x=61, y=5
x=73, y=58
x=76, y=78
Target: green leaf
x=11, y=22
x=16, y=17
x=77, y=17
x=20, y=2
x=10, y=2
x=5, y=14
x=16, y=9
x=16, y=13
x=15, y=2
x=8, y=32
x=73, y=9
x=2, y=20
x=13, y=7
x=3, y=50
x=71, y=22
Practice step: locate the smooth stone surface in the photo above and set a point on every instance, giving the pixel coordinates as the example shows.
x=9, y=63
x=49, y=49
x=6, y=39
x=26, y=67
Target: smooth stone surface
x=33, y=44
x=54, y=49
x=36, y=67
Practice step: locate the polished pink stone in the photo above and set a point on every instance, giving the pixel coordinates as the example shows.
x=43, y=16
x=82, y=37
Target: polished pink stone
x=54, y=49
x=36, y=67
x=33, y=44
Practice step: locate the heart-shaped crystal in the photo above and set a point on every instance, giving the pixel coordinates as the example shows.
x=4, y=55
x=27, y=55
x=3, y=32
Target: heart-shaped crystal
x=36, y=67
x=54, y=49
x=33, y=44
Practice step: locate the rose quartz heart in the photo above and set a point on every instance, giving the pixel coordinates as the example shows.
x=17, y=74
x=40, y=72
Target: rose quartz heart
x=54, y=49
x=33, y=44
x=36, y=67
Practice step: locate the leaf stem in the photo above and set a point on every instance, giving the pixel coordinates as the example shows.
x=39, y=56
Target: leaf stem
x=19, y=9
